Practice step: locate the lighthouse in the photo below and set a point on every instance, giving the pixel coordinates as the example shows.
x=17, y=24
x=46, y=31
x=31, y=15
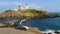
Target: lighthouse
x=27, y=7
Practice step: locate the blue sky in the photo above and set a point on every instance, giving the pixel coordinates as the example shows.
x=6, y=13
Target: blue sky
x=49, y=5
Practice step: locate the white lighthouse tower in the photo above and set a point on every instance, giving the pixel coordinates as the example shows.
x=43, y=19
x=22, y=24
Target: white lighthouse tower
x=27, y=7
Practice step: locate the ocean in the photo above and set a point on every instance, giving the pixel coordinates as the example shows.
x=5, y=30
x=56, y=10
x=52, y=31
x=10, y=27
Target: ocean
x=44, y=23
x=40, y=23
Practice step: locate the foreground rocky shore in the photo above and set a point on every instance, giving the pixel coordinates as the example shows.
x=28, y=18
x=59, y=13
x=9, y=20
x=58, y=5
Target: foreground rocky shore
x=15, y=31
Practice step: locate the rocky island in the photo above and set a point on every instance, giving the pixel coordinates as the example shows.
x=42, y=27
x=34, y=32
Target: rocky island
x=23, y=14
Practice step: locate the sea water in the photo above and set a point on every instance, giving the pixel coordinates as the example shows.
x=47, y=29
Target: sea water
x=44, y=23
x=41, y=23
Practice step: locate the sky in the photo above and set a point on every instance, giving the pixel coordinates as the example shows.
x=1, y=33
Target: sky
x=48, y=5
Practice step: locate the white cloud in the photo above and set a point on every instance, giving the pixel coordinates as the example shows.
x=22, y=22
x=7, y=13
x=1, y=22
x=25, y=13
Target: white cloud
x=3, y=3
x=10, y=3
x=17, y=3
